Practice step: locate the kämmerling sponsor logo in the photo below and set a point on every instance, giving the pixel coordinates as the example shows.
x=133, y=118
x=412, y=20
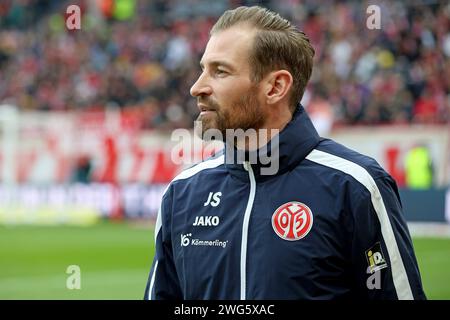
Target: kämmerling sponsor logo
x=187, y=241
x=209, y=243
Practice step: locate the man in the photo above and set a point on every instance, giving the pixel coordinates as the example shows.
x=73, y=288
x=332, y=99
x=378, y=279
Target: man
x=327, y=224
x=419, y=168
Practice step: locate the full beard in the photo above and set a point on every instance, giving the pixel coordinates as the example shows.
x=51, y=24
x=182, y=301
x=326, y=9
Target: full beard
x=243, y=114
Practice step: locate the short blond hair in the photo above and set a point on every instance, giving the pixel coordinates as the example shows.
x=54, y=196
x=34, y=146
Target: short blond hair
x=277, y=45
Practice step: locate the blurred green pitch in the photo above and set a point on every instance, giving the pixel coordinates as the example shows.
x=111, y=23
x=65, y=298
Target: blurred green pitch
x=115, y=259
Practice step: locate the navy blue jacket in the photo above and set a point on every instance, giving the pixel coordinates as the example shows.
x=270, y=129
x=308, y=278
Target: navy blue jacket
x=327, y=225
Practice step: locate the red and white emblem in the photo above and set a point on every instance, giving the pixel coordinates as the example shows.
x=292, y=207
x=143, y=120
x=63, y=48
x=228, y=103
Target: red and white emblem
x=292, y=221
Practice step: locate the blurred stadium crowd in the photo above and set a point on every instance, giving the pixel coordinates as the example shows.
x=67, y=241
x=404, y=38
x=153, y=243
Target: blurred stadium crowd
x=142, y=57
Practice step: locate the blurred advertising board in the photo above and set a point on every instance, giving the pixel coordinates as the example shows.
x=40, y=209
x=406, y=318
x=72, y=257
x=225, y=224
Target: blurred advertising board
x=77, y=204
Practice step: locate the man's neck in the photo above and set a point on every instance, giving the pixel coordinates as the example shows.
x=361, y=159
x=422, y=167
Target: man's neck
x=272, y=126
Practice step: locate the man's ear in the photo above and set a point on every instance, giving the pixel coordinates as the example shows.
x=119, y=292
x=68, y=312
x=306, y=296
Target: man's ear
x=278, y=85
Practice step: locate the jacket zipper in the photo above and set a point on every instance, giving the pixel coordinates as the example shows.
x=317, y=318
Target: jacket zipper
x=248, y=211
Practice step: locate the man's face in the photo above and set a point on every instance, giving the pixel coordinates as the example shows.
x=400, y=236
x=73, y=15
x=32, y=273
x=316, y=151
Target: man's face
x=226, y=96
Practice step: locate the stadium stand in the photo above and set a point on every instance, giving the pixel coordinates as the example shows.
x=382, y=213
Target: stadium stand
x=142, y=56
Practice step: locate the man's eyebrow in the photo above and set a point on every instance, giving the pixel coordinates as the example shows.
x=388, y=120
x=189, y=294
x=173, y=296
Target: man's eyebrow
x=216, y=63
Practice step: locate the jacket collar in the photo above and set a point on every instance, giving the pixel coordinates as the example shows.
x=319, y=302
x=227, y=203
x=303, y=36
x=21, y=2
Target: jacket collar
x=292, y=144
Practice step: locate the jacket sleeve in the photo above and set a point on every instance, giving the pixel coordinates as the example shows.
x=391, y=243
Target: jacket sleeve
x=383, y=259
x=163, y=283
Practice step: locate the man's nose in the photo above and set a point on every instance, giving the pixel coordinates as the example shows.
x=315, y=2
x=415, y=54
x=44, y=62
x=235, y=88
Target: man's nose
x=200, y=87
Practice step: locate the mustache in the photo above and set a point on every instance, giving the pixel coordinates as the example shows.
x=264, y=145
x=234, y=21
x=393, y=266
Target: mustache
x=210, y=103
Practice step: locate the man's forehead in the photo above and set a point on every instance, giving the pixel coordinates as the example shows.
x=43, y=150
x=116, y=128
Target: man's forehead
x=228, y=46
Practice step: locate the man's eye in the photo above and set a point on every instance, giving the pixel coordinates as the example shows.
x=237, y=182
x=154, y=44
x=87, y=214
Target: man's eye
x=220, y=72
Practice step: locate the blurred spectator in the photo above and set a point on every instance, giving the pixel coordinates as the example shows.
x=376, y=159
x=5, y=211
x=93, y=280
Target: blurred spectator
x=419, y=168
x=320, y=111
x=82, y=170
x=144, y=54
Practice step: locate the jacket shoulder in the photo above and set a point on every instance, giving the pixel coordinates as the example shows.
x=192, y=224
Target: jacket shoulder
x=339, y=155
x=206, y=165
